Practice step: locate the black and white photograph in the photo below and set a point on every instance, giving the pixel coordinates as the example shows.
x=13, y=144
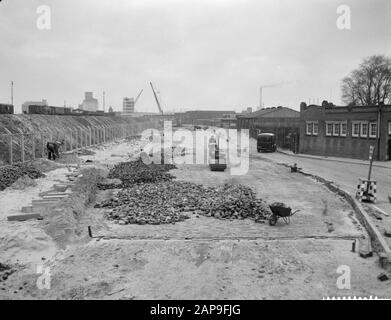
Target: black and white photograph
x=213, y=152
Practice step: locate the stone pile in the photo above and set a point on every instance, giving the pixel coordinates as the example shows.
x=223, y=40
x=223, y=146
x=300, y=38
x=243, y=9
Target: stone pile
x=135, y=172
x=172, y=201
x=9, y=174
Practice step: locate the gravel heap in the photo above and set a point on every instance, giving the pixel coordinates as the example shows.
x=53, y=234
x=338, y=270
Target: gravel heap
x=9, y=174
x=134, y=172
x=167, y=202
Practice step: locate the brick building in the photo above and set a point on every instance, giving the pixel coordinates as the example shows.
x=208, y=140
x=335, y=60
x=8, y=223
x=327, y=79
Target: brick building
x=349, y=131
x=283, y=122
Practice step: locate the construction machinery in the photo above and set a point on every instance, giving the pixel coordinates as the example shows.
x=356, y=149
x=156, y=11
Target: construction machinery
x=157, y=99
x=138, y=96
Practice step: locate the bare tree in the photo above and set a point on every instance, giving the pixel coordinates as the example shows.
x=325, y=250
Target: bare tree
x=370, y=83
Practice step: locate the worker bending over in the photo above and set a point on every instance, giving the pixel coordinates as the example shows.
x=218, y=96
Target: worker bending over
x=53, y=149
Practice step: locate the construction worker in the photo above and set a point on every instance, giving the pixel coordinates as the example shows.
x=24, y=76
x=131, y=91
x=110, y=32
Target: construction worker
x=53, y=149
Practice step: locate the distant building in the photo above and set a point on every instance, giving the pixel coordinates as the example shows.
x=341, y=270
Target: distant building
x=283, y=122
x=25, y=106
x=203, y=117
x=128, y=106
x=89, y=103
x=111, y=109
x=347, y=131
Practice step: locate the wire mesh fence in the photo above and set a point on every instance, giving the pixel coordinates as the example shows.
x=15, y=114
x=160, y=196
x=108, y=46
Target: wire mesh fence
x=24, y=147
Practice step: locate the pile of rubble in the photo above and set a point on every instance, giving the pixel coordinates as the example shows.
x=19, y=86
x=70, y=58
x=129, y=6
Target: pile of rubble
x=9, y=174
x=134, y=172
x=170, y=202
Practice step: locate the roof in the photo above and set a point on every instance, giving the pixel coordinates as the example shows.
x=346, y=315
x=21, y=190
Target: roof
x=279, y=112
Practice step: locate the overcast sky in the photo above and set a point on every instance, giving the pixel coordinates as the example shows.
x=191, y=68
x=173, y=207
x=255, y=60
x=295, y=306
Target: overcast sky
x=204, y=54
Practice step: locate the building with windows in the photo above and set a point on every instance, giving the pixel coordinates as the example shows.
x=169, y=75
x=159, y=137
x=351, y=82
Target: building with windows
x=89, y=103
x=348, y=131
x=128, y=106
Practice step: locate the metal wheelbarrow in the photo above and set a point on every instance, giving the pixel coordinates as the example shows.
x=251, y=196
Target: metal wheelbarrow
x=280, y=212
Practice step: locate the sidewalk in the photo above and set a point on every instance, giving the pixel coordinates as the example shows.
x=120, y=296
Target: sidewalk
x=378, y=164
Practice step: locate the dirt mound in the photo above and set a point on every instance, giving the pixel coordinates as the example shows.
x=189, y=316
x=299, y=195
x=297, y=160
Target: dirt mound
x=85, y=152
x=9, y=174
x=23, y=183
x=45, y=165
x=68, y=158
x=166, y=202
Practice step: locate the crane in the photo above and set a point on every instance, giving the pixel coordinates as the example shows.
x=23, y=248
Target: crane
x=138, y=96
x=157, y=99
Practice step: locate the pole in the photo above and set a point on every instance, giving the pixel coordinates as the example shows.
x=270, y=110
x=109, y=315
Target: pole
x=12, y=92
x=371, y=149
x=260, y=98
x=104, y=102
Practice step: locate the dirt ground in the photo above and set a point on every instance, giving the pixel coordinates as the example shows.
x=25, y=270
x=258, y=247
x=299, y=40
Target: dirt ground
x=207, y=258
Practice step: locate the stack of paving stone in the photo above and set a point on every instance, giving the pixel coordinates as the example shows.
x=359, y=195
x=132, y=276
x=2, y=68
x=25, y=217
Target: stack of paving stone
x=9, y=174
x=170, y=202
x=134, y=172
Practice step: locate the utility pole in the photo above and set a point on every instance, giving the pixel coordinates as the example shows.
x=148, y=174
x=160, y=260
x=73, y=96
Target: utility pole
x=12, y=92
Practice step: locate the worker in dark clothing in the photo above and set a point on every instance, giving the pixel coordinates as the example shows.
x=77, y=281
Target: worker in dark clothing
x=53, y=149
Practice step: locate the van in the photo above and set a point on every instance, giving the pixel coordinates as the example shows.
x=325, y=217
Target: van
x=266, y=142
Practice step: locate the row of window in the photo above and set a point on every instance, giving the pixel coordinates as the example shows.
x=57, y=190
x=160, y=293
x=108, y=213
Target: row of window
x=362, y=129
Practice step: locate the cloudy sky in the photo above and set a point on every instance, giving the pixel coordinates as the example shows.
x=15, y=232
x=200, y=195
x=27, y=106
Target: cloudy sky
x=204, y=54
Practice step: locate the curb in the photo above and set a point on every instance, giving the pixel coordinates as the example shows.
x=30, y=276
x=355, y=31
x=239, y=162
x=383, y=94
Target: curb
x=331, y=160
x=376, y=237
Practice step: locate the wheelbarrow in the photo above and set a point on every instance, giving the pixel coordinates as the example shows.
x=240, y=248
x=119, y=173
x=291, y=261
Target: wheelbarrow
x=281, y=212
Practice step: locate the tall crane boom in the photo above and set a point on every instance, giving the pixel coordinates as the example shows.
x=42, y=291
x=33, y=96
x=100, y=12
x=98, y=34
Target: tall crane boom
x=156, y=98
x=138, y=96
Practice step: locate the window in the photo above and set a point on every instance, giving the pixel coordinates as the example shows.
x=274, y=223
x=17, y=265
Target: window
x=355, y=129
x=315, y=128
x=373, y=130
x=389, y=128
x=329, y=128
x=364, y=129
x=344, y=129
x=309, y=128
x=336, y=127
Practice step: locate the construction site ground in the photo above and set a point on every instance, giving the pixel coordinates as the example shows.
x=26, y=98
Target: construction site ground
x=200, y=258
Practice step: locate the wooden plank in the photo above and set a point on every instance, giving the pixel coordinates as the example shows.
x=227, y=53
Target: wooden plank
x=25, y=217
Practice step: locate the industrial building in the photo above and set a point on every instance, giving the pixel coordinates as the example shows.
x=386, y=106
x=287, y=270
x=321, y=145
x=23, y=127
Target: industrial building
x=347, y=131
x=203, y=117
x=128, y=106
x=89, y=103
x=283, y=122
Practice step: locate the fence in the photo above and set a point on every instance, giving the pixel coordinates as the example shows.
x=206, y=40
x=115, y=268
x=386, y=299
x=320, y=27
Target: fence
x=23, y=147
